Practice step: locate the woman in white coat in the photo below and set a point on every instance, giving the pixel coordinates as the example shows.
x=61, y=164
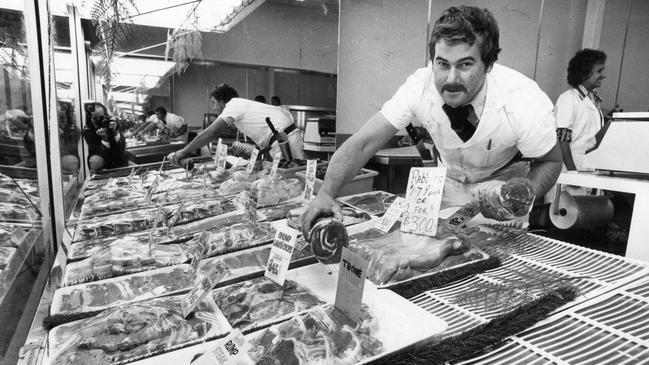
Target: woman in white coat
x=577, y=111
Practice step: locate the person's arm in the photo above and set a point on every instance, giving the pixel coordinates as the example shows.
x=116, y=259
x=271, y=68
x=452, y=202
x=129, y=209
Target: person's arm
x=180, y=132
x=567, y=155
x=203, y=138
x=148, y=128
x=344, y=165
x=545, y=170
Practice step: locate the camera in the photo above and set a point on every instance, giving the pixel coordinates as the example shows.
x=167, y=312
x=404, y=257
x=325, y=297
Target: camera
x=104, y=121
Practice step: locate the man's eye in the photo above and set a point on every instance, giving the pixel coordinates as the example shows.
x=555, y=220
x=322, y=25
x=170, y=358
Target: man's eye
x=442, y=64
x=465, y=65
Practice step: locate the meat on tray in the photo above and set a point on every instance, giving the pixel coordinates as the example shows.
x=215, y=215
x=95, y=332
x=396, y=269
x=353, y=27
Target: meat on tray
x=397, y=255
x=18, y=212
x=107, y=293
x=255, y=302
x=121, y=258
x=320, y=336
x=376, y=202
x=5, y=256
x=272, y=191
x=133, y=331
x=230, y=238
x=140, y=220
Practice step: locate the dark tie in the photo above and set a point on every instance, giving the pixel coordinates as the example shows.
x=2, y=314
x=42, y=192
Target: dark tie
x=459, y=118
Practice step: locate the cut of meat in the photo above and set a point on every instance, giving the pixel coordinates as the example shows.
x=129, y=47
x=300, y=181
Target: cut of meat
x=320, y=336
x=256, y=302
x=376, y=202
x=231, y=238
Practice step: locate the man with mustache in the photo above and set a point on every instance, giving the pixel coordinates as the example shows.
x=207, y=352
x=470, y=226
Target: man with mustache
x=483, y=118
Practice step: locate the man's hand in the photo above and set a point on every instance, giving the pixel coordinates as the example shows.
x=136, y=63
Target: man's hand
x=502, y=200
x=323, y=204
x=101, y=132
x=175, y=157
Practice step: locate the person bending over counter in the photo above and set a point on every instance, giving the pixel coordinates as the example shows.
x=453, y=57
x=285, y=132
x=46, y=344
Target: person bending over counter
x=483, y=117
x=250, y=118
x=174, y=123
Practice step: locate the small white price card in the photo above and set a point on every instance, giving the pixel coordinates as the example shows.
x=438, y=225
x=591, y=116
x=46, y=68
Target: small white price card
x=424, y=197
x=216, y=152
x=309, y=183
x=351, y=282
x=463, y=215
x=198, y=292
x=252, y=161
x=232, y=350
x=222, y=153
x=276, y=159
x=280, y=254
x=251, y=204
x=393, y=213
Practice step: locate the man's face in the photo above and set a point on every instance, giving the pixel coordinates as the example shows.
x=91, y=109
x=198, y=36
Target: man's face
x=594, y=80
x=160, y=116
x=217, y=105
x=459, y=71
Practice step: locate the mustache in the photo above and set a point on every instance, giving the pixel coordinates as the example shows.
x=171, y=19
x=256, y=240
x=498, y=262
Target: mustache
x=453, y=87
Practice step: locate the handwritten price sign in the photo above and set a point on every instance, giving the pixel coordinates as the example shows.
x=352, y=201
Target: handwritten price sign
x=424, y=198
x=231, y=350
x=393, y=213
x=309, y=183
x=280, y=254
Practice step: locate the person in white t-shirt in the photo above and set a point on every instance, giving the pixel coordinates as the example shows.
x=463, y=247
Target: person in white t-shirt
x=163, y=120
x=250, y=118
x=481, y=116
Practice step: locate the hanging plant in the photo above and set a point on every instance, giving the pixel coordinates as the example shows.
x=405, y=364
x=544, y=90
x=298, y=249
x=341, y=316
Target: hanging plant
x=112, y=21
x=185, y=43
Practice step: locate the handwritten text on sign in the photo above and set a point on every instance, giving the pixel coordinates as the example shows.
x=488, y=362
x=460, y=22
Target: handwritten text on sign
x=424, y=197
x=393, y=213
x=230, y=351
x=351, y=282
x=309, y=181
x=198, y=292
x=280, y=254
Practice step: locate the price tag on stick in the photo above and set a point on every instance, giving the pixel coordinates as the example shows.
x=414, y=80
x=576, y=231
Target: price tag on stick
x=351, y=282
x=309, y=181
x=280, y=254
x=198, y=292
x=463, y=215
x=424, y=198
x=276, y=159
x=158, y=215
x=232, y=350
x=252, y=161
x=251, y=204
x=385, y=223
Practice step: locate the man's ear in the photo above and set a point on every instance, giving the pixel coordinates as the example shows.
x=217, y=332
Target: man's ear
x=490, y=67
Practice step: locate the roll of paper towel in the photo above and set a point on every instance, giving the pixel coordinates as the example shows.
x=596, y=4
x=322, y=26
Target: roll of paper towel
x=581, y=211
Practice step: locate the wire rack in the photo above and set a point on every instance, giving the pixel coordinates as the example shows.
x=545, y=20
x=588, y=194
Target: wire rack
x=532, y=265
x=610, y=329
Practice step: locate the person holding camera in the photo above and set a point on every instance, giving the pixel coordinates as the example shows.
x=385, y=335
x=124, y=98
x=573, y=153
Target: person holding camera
x=106, y=145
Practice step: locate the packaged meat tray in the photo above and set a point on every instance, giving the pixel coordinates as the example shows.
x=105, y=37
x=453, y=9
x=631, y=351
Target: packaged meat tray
x=140, y=220
x=230, y=238
x=373, y=202
x=279, y=211
x=122, y=258
x=103, y=294
x=6, y=254
x=12, y=235
x=272, y=191
x=20, y=213
x=259, y=302
x=84, y=249
x=134, y=331
x=396, y=256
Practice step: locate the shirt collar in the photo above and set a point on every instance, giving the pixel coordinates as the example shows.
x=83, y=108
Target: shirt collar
x=592, y=95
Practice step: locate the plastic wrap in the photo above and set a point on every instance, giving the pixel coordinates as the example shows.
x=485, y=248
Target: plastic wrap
x=10, y=212
x=103, y=294
x=375, y=202
x=228, y=239
x=320, y=336
x=259, y=302
x=122, y=258
x=274, y=191
x=5, y=256
x=134, y=331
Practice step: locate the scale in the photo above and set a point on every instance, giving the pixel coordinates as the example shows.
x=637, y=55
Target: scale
x=623, y=146
x=320, y=134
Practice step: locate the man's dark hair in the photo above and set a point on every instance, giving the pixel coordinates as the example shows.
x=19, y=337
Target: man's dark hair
x=275, y=100
x=260, y=98
x=582, y=64
x=161, y=110
x=465, y=24
x=224, y=92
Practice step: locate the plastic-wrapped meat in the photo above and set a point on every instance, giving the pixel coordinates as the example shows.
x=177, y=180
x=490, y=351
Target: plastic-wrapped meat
x=134, y=330
x=115, y=224
x=121, y=258
x=277, y=212
x=5, y=256
x=376, y=202
x=253, y=303
x=398, y=255
x=320, y=336
x=231, y=238
x=18, y=212
x=274, y=191
x=108, y=293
